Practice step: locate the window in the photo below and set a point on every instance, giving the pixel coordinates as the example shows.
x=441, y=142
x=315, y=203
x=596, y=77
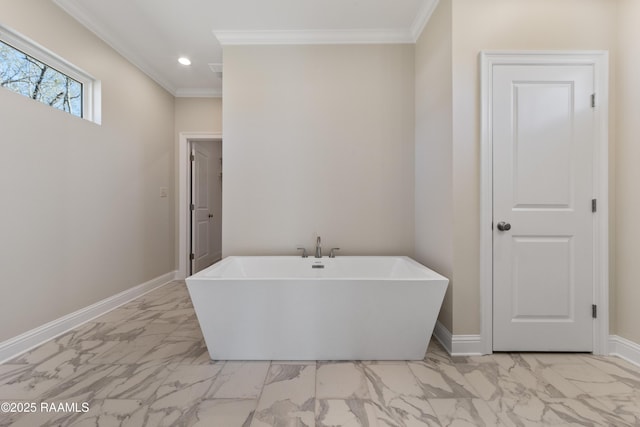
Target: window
x=36, y=73
x=26, y=75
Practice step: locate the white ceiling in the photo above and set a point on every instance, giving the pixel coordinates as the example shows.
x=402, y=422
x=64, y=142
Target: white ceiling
x=152, y=34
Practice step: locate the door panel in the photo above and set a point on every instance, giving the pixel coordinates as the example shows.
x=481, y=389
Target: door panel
x=542, y=293
x=201, y=200
x=543, y=137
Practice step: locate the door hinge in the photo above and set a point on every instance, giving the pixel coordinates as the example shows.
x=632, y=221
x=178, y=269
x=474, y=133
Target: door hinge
x=594, y=311
x=594, y=205
x=593, y=100
x=193, y=207
x=193, y=158
x=192, y=257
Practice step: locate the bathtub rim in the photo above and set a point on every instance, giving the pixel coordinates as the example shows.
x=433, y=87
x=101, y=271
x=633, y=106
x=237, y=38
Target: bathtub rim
x=432, y=275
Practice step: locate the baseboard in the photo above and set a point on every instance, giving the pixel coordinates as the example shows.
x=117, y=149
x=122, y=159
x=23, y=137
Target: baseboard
x=13, y=347
x=458, y=345
x=442, y=334
x=625, y=349
x=467, y=345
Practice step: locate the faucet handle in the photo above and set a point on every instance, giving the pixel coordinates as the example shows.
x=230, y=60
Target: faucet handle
x=332, y=254
x=304, y=252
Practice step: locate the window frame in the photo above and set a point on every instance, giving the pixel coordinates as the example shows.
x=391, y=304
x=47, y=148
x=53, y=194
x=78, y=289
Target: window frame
x=90, y=86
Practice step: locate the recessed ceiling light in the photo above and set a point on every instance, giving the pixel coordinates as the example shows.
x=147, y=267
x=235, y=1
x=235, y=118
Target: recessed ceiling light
x=184, y=60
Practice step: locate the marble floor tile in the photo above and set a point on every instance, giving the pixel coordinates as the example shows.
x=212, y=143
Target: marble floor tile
x=584, y=412
x=145, y=315
x=524, y=410
x=398, y=399
x=615, y=361
x=176, y=401
x=551, y=359
x=164, y=303
x=345, y=413
x=626, y=408
x=114, y=413
x=125, y=352
x=200, y=356
x=491, y=381
x=80, y=351
x=28, y=382
x=179, y=316
x=376, y=362
x=592, y=380
x=442, y=381
x=465, y=412
x=87, y=383
x=188, y=329
x=127, y=331
x=437, y=359
x=90, y=331
x=223, y=412
x=537, y=377
x=10, y=418
x=288, y=397
x=618, y=369
x=241, y=380
x=171, y=351
x=44, y=419
x=435, y=347
x=137, y=382
x=341, y=380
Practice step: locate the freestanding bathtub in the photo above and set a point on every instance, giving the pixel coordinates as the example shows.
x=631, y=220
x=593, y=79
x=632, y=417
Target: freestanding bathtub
x=294, y=308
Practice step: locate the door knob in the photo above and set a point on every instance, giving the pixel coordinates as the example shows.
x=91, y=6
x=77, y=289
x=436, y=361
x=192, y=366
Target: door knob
x=210, y=215
x=504, y=226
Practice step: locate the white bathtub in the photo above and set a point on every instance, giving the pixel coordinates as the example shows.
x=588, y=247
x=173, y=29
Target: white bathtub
x=294, y=308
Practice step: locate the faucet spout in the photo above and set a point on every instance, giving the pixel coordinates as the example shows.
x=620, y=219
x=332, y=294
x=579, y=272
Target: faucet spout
x=318, y=248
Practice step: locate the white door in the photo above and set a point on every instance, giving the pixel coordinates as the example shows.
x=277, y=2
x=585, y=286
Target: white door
x=543, y=225
x=201, y=209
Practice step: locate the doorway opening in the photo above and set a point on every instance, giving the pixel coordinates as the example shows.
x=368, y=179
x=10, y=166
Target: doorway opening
x=199, y=229
x=205, y=204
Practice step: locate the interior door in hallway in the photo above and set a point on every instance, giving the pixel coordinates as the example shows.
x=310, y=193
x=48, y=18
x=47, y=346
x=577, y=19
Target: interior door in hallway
x=543, y=225
x=202, y=230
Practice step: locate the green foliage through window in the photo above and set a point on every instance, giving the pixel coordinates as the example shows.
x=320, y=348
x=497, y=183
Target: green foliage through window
x=27, y=76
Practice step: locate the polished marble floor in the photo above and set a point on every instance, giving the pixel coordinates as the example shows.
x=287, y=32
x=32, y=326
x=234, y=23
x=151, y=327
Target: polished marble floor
x=146, y=364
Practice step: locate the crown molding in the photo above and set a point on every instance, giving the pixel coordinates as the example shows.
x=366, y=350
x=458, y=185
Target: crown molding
x=198, y=93
x=114, y=42
x=275, y=37
x=422, y=18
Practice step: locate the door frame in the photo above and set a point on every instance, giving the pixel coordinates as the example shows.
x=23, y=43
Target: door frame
x=184, y=230
x=599, y=60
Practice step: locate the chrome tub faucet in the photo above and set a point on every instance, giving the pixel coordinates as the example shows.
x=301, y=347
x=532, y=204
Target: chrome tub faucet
x=318, y=248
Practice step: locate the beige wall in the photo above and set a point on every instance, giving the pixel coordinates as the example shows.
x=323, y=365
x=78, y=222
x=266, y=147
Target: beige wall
x=81, y=218
x=434, y=151
x=499, y=25
x=198, y=115
x=627, y=173
x=318, y=140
